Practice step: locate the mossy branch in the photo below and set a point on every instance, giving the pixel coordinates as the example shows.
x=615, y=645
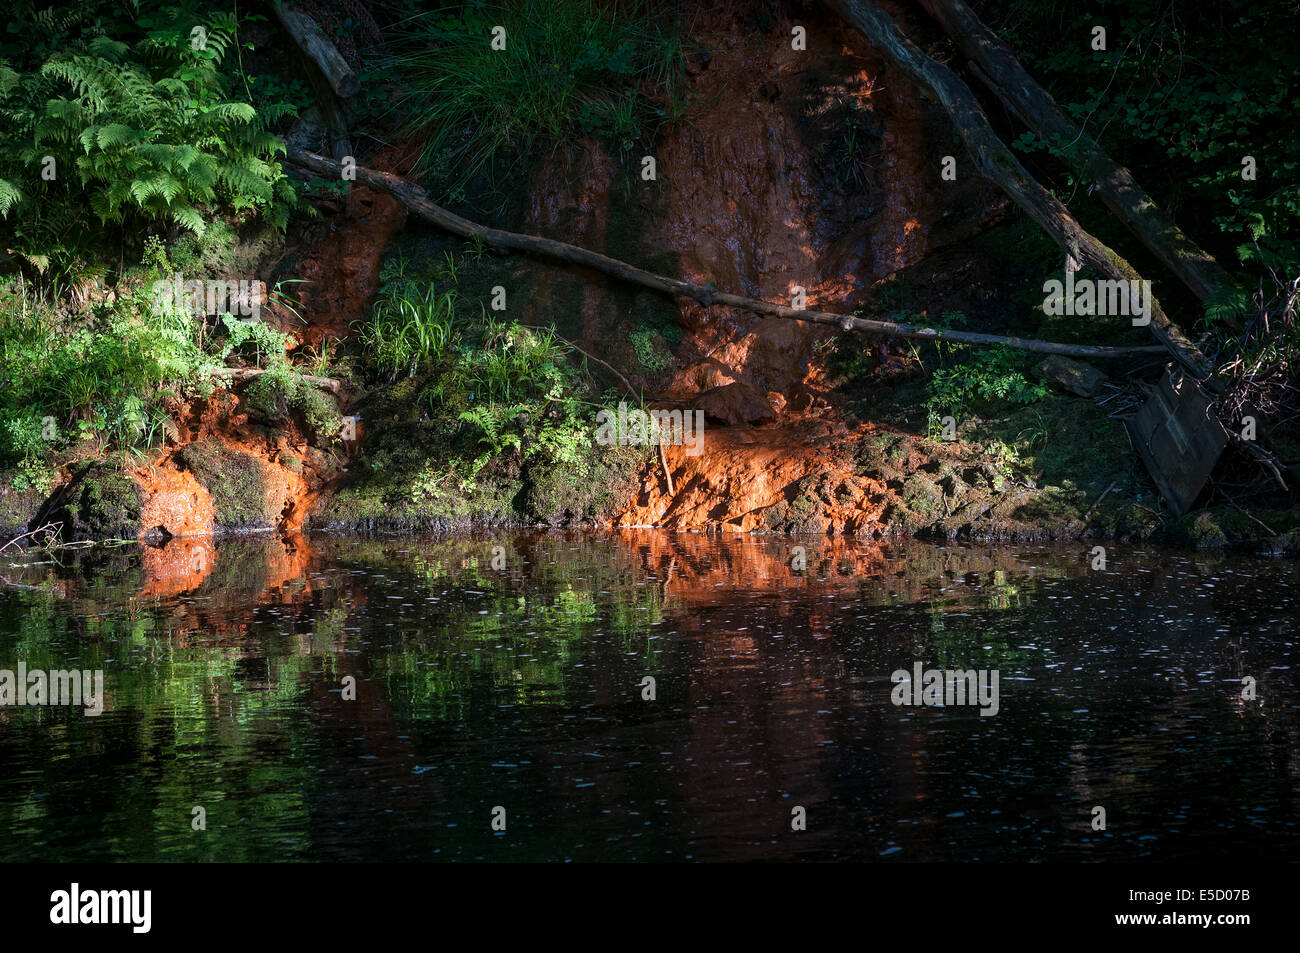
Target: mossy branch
x=995, y=163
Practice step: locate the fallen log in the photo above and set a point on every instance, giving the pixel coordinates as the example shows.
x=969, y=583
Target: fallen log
x=995, y=162
x=318, y=48
x=1000, y=70
x=415, y=199
x=248, y=373
x=332, y=80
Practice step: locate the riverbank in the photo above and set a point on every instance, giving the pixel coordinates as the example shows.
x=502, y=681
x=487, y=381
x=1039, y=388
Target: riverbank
x=399, y=379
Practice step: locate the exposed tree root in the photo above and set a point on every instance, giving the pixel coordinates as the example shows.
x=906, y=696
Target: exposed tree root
x=247, y=373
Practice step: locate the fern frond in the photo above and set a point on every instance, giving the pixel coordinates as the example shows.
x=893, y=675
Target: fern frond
x=108, y=48
x=233, y=112
x=187, y=216
x=8, y=79
x=115, y=134
x=10, y=197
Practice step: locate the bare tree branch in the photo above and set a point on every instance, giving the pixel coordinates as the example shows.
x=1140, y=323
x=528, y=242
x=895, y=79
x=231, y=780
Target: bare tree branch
x=414, y=198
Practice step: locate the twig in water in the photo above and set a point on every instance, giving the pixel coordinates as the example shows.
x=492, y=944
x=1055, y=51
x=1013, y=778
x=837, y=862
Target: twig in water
x=50, y=528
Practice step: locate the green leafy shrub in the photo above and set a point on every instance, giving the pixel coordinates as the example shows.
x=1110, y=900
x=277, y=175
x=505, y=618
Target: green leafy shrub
x=20, y=437
x=995, y=373
x=522, y=394
x=988, y=375
x=103, y=376
x=270, y=345
x=136, y=129
x=1176, y=103
x=24, y=442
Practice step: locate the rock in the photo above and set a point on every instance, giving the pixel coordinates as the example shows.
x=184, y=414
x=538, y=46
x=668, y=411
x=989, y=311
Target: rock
x=732, y=404
x=308, y=133
x=1074, y=377
x=103, y=503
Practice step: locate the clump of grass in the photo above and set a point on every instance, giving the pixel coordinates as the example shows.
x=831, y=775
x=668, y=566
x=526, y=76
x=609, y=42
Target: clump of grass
x=607, y=68
x=515, y=362
x=408, y=326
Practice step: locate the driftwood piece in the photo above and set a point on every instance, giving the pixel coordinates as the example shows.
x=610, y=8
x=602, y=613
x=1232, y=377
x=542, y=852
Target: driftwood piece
x=50, y=530
x=1114, y=185
x=995, y=162
x=415, y=199
x=248, y=373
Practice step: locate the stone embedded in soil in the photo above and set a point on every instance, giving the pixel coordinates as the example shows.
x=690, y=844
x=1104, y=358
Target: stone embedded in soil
x=734, y=403
x=1071, y=376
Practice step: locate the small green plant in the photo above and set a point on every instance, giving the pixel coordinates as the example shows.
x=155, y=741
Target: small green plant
x=516, y=362
x=521, y=394
x=1037, y=435
x=20, y=437
x=650, y=354
x=1008, y=461
x=268, y=343
x=322, y=359
x=989, y=375
x=408, y=327
x=23, y=445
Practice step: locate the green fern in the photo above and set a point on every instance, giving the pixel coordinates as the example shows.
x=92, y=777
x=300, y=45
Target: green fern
x=143, y=130
x=1226, y=303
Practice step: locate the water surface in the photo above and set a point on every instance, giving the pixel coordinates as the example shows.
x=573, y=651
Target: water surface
x=522, y=687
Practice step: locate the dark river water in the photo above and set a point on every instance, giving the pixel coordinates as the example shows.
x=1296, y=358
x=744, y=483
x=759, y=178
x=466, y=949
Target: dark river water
x=520, y=685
